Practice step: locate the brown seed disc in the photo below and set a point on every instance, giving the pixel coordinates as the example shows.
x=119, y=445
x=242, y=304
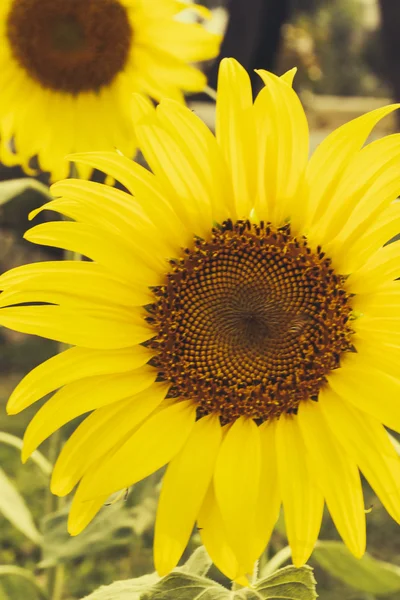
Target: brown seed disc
x=249, y=322
x=70, y=45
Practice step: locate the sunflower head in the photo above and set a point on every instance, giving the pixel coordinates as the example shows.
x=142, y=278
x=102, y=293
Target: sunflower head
x=238, y=320
x=79, y=62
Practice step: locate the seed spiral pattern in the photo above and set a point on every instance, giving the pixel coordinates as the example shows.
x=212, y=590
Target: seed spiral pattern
x=249, y=322
x=70, y=46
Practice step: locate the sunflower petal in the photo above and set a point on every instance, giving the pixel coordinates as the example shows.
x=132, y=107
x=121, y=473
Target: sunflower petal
x=200, y=145
x=329, y=161
x=111, y=424
x=71, y=365
x=302, y=499
x=153, y=445
x=103, y=247
x=97, y=330
x=80, y=397
x=82, y=513
x=368, y=443
x=92, y=281
x=214, y=537
x=237, y=485
x=236, y=133
x=362, y=384
x=282, y=131
x=337, y=475
x=269, y=500
x=382, y=268
x=145, y=187
x=184, y=487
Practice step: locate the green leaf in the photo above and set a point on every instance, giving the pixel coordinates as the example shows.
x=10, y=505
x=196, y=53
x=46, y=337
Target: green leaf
x=37, y=457
x=199, y=563
x=115, y=525
x=131, y=589
x=288, y=583
x=17, y=583
x=15, y=187
x=182, y=586
x=18, y=197
x=366, y=574
x=13, y=507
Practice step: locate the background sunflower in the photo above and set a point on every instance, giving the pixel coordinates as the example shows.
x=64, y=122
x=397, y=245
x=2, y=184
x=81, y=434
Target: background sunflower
x=68, y=70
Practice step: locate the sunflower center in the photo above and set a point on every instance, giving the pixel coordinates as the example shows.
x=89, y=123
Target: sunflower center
x=70, y=46
x=249, y=322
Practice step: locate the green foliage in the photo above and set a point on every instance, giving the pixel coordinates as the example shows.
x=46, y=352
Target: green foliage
x=19, y=583
x=36, y=457
x=114, y=526
x=366, y=574
x=290, y=583
x=13, y=507
x=26, y=195
x=190, y=583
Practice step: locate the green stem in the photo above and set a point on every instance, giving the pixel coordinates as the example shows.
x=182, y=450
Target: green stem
x=276, y=561
x=210, y=93
x=55, y=575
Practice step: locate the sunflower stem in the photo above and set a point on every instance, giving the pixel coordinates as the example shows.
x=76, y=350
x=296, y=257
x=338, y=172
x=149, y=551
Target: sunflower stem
x=55, y=575
x=276, y=561
x=210, y=93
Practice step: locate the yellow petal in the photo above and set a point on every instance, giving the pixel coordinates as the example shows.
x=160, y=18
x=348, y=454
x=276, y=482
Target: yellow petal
x=153, y=445
x=360, y=250
x=184, y=486
x=288, y=77
x=368, y=389
x=368, y=443
x=82, y=513
x=214, y=537
x=337, y=476
x=236, y=133
x=108, y=207
x=102, y=431
x=237, y=486
x=95, y=330
x=269, y=499
x=143, y=185
x=80, y=397
x=71, y=365
x=329, y=161
x=103, y=247
x=83, y=279
x=197, y=141
x=302, y=499
x=140, y=238
x=282, y=131
x=188, y=41
x=370, y=185
x=142, y=107
x=382, y=268
x=179, y=174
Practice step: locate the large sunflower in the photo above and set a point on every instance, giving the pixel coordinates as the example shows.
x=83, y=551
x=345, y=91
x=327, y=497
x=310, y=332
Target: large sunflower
x=239, y=321
x=68, y=69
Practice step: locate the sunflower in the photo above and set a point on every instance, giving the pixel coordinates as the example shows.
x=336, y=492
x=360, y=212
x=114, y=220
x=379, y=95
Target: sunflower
x=68, y=70
x=239, y=322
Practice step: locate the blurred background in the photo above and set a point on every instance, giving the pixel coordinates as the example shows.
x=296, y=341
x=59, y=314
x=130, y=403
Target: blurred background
x=348, y=54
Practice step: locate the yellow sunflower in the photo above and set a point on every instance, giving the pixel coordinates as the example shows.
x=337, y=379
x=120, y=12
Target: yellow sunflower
x=68, y=69
x=239, y=322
